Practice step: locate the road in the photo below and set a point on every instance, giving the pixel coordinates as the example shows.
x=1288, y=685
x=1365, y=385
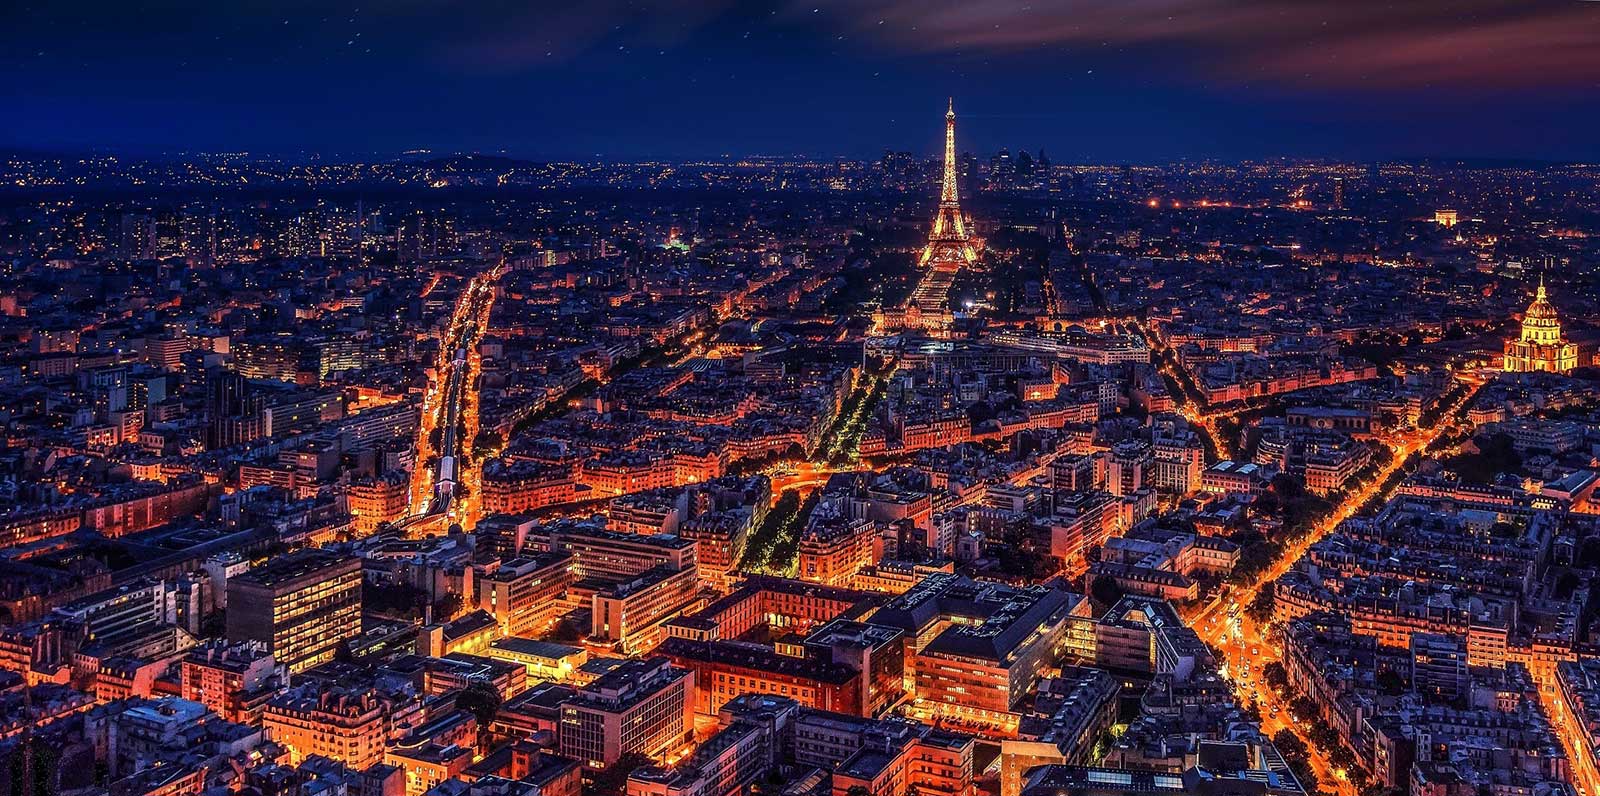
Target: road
x=451, y=406
x=1190, y=403
x=804, y=476
x=1246, y=647
x=1585, y=775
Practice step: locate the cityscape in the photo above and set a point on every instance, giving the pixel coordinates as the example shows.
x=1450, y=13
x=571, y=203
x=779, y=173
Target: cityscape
x=967, y=469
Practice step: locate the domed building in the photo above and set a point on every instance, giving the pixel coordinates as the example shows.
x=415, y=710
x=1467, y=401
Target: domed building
x=1542, y=347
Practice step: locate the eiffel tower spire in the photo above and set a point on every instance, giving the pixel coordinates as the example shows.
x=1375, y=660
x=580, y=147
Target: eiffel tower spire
x=949, y=246
x=947, y=194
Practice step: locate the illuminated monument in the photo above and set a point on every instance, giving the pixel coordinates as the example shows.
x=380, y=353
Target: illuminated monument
x=949, y=247
x=1542, y=347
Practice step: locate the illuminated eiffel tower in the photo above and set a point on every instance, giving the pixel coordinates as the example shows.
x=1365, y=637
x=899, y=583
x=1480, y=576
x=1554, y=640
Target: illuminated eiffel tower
x=949, y=247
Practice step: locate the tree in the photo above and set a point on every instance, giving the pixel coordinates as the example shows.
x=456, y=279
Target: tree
x=487, y=442
x=446, y=607
x=758, y=550
x=1341, y=757
x=401, y=599
x=1298, y=509
x=1015, y=557
x=1308, y=779
x=1496, y=454
x=482, y=700
x=1275, y=675
x=1298, y=756
x=1390, y=682
x=1360, y=779
x=1105, y=591
x=1260, y=608
x=1303, y=707
x=565, y=632
x=1325, y=737
x=1254, y=558
x=1589, y=553
x=613, y=781
x=1294, y=750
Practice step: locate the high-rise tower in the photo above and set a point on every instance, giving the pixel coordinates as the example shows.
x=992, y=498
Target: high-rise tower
x=949, y=246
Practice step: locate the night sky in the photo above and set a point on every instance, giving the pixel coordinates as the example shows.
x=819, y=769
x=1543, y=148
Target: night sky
x=1109, y=80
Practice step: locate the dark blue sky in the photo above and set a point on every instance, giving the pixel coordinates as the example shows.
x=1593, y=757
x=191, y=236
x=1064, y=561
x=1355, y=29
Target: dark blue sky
x=1120, y=80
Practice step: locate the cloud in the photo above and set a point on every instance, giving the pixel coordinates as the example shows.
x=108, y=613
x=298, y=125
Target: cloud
x=1379, y=44
x=520, y=35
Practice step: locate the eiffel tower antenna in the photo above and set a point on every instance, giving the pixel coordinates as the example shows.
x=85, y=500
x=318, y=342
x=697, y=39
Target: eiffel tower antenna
x=949, y=245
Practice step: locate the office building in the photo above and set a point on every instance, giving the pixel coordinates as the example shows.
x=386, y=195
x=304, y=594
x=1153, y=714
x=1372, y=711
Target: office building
x=300, y=605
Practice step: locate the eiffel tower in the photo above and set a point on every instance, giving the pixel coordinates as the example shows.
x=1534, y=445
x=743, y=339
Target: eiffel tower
x=949, y=247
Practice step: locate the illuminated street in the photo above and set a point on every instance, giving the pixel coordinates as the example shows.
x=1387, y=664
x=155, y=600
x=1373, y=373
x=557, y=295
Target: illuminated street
x=1247, y=647
x=450, y=408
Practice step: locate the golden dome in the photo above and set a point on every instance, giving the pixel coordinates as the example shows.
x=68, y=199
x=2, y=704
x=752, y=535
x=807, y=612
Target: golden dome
x=1542, y=348
x=1541, y=308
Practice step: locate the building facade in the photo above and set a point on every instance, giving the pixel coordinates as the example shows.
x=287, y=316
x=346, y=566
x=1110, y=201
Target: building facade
x=1541, y=346
x=300, y=605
